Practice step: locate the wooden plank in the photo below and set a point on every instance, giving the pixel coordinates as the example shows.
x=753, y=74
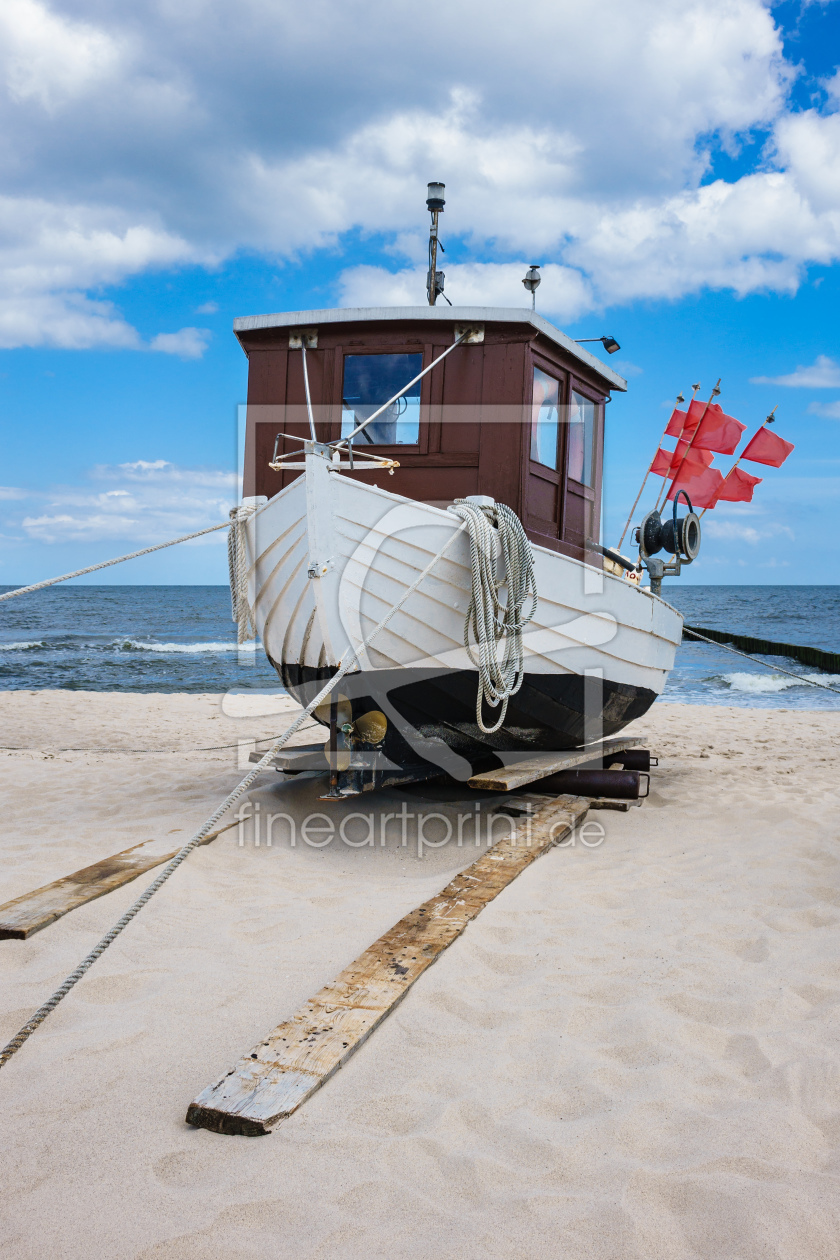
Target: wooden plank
x=299, y=1055
x=531, y=769
x=29, y=913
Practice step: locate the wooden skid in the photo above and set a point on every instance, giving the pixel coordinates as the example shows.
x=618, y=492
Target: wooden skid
x=299, y=1055
x=35, y=910
x=531, y=769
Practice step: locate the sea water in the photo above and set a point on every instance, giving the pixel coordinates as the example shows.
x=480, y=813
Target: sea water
x=181, y=638
x=710, y=674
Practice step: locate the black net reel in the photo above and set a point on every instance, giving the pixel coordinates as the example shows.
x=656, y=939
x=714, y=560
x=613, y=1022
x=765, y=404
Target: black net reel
x=679, y=535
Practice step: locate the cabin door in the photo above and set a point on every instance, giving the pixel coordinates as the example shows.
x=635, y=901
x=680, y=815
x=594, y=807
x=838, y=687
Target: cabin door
x=563, y=463
x=545, y=457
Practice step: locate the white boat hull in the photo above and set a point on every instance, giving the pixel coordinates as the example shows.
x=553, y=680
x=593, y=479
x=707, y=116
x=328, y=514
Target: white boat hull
x=329, y=556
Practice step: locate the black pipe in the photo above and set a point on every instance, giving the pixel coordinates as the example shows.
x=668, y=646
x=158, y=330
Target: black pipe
x=334, y=747
x=621, y=785
x=631, y=759
x=615, y=556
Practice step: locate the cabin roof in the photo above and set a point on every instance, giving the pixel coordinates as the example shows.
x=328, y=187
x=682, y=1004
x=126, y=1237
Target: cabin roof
x=434, y=314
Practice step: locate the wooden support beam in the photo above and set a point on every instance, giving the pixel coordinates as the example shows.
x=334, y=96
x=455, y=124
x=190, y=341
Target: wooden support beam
x=35, y=910
x=531, y=769
x=299, y=1055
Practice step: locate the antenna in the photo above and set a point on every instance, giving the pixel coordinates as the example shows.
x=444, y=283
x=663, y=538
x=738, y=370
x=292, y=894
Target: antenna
x=435, y=201
x=532, y=281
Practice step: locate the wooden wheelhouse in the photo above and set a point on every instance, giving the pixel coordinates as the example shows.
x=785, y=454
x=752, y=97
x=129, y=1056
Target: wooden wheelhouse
x=515, y=412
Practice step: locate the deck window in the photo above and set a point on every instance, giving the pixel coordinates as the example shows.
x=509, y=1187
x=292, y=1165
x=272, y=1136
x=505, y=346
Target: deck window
x=369, y=381
x=545, y=421
x=581, y=439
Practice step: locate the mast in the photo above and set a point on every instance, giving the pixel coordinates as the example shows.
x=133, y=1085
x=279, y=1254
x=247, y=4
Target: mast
x=435, y=202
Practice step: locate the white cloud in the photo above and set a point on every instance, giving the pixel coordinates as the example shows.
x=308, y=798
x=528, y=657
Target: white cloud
x=188, y=343
x=50, y=255
x=626, y=369
x=739, y=531
x=11, y=492
x=824, y=373
x=207, y=308
x=146, y=137
x=142, y=502
x=731, y=530
x=563, y=292
x=830, y=410
x=49, y=58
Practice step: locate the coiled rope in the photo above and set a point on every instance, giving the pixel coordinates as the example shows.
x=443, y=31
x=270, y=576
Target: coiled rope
x=105, y=564
x=488, y=619
x=61, y=992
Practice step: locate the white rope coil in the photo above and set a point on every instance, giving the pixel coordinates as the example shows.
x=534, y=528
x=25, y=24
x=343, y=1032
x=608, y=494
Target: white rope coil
x=238, y=570
x=488, y=619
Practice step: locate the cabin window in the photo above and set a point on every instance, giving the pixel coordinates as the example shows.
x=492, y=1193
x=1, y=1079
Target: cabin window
x=369, y=381
x=581, y=438
x=545, y=421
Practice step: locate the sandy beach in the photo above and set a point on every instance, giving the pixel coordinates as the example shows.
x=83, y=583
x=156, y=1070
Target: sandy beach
x=631, y=1053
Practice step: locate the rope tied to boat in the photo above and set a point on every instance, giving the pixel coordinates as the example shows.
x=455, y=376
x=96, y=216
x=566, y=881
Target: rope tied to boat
x=238, y=571
x=488, y=619
x=106, y=564
x=344, y=666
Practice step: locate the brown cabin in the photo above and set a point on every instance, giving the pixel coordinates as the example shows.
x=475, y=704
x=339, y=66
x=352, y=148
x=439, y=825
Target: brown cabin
x=517, y=414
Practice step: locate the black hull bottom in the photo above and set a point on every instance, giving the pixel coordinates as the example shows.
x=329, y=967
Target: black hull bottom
x=431, y=711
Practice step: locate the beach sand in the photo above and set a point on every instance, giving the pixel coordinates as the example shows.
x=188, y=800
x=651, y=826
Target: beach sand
x=631, y=1053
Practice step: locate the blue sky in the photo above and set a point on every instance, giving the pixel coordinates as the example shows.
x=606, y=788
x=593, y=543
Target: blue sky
x=675, y=167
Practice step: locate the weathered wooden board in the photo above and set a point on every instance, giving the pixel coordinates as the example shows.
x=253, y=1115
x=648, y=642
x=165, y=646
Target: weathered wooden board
x=35, y=910
x=299, y=1055
x=531, y=769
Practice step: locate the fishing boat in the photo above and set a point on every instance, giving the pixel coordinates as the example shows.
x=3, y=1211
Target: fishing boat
x=370, y=435
x=512, y=412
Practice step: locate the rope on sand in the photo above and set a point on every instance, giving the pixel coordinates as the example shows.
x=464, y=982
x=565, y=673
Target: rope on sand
x=133, y=752
x=75, y=976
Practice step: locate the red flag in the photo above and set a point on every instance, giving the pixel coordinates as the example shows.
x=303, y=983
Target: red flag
x=683, y=423
x=695, y=456
x=737, y=487
x=662, y=463
x=717, y=431
x=666, y=463
x=767, y=448
x=677, y=423
x=700, y=483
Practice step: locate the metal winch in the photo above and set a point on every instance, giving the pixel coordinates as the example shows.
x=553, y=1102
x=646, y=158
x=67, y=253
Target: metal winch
x=679, y=535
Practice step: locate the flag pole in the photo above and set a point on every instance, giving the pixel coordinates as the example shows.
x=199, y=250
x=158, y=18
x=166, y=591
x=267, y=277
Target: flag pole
x=768, y=420
x=694, y=392
x=680, y=399
x=675, y=477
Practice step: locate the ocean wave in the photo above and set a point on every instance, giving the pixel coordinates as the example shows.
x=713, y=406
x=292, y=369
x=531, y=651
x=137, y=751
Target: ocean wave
x=139, y=645
x=21, y=647
x=757, y=684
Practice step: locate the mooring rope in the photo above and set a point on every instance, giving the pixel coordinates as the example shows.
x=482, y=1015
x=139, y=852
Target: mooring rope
x=265, y=739
x=75, y=976
x=238, y=568
x=132, y=555
x=487, y=618
x=775, y=668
